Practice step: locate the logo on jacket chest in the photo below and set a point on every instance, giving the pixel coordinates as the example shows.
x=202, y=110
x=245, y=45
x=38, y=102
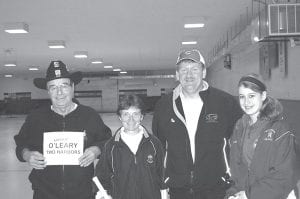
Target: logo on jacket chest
x=211, y=118
x=150, y=159
x=269, y=135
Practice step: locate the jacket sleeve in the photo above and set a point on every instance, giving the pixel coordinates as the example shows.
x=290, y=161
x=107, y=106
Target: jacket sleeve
x=237, y=167
x=297, y=145
x=104, y=170
x=160, y=164
x=22, y=138
x=280, y=180
x=236, y=113
x=155, y=125
x=100, y=131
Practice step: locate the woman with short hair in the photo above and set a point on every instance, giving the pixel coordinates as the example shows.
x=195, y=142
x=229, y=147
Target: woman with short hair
x=131, y=166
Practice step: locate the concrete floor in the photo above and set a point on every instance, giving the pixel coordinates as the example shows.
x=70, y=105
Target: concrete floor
x=14, y=182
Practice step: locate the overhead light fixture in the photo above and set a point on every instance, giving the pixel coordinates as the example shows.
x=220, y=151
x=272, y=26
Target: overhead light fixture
x=15, y=28
x=116, y=69
x=194, y=25
x=255, y=39
x=97, y=61
x=56, y=44
x=10, y=64
x=9, y=58
x=81, y=54
x=108, y=66
x=123, y=72
x=33, y=68
x=192, y=22
x=189, y=42
x=8, y=75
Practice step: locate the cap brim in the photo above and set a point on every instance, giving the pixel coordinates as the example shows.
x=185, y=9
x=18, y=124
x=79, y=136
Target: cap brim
x=180, y=60
x=41, y=83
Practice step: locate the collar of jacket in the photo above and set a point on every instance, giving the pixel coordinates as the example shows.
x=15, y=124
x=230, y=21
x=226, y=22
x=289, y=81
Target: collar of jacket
x=176, y=94
x=72, y=108
x=118, y=133
x=261, y=125
x=246, y=120
x=75, y=112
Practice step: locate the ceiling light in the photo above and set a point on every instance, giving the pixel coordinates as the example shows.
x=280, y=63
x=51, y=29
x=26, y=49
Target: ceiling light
x=56, y=44
x=108, y=66
x=123, y=72
x=256, y=39
x=188, y=42
x=81, y=54
x=7, y=75
x=194, y=21
x=194, y=25
x=97, y=61
x=14, y=28
x=9, y=58
x=10, y=64
x=33, y=68
x=117, y=69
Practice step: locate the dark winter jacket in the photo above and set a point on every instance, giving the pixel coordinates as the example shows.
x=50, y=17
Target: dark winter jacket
x=218, y=116
x=62, y=181
x=271, y=174
x=128, y=176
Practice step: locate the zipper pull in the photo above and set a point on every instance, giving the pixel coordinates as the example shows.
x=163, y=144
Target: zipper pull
x=192, y=177
x=192, y=182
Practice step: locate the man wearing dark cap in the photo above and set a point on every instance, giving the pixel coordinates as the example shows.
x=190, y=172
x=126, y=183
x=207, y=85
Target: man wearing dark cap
x=61, y=181
x=193, y=123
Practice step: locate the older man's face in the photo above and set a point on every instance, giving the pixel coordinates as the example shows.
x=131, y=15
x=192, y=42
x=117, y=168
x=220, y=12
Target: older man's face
x=61, y=92
x=190, y=76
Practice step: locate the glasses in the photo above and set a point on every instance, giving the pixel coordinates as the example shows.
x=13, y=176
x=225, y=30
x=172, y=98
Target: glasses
x=135, y=116
x=63, y=87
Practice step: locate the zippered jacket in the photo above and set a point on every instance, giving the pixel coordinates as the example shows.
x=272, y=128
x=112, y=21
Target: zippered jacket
x=271, y=173
x=219, y=113
x=126, y=175
x=68, y=181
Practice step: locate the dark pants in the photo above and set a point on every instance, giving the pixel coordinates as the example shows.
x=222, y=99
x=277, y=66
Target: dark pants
x=182, y=193
x=40, y=195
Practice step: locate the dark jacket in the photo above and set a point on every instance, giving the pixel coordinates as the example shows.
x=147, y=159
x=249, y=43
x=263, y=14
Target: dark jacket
x=218, y=116
x=271, y=174
x=128, y=176
x=62, y=181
